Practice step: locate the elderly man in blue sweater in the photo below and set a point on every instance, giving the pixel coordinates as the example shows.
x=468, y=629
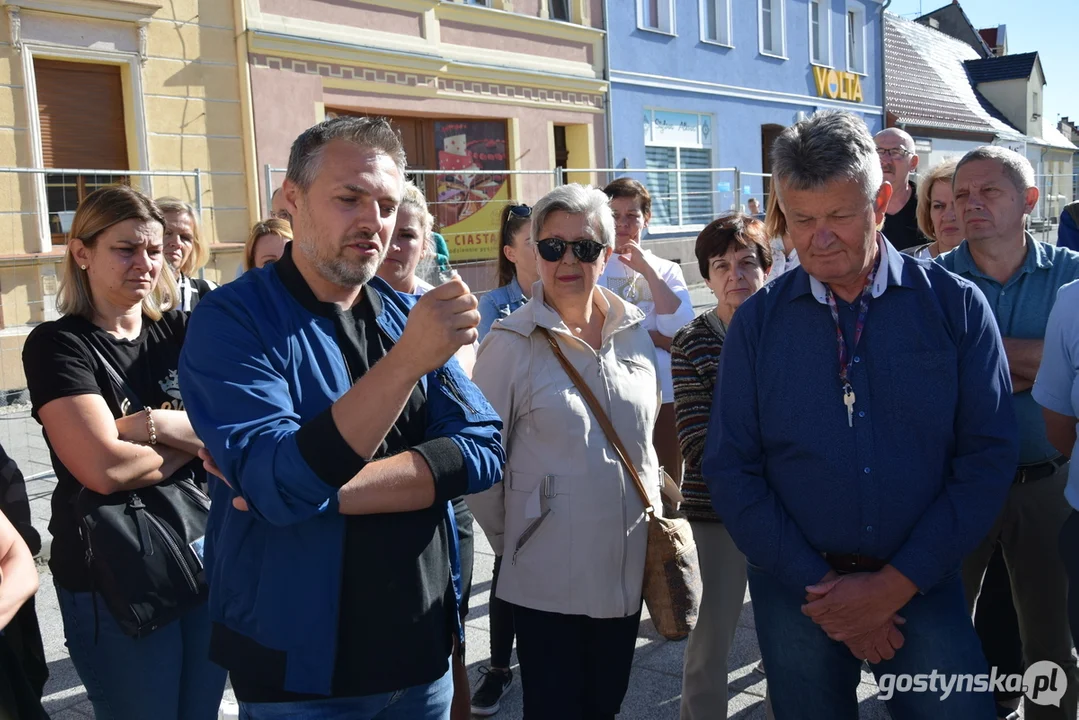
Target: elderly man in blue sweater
x=857, y=484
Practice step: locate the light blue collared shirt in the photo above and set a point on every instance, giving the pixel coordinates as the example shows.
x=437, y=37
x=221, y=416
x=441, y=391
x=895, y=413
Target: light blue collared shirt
x=1021, y=307
x=1057, y=386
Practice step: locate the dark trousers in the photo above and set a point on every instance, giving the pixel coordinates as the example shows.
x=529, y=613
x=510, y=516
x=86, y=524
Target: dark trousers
x=574, y=667
x=501, y=619
x=1069, y=553
x=466, y=536
x=997, y=624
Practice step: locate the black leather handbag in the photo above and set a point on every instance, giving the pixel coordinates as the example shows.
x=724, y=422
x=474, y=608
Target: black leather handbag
x=144, y=547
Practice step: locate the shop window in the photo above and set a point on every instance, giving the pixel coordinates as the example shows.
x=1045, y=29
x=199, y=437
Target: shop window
x=679, y=142
x=74, y=139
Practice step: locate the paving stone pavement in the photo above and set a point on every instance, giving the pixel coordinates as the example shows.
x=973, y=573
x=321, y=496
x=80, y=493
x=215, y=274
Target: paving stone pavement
x=655, y=685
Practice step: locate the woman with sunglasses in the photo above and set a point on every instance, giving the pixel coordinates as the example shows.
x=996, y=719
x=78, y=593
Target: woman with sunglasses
x=516, y=268
x=658, y=288
x=567, y=516
x=516, y=275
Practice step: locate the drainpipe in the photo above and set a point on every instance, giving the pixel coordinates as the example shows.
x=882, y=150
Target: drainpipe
x=610, y=90
x=883, y=64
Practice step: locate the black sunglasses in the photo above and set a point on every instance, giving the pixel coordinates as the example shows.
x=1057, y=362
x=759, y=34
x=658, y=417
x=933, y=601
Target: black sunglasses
x=521, y=211
x=552, y=250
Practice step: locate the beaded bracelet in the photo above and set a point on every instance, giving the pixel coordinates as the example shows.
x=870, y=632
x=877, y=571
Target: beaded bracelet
x=151, y=429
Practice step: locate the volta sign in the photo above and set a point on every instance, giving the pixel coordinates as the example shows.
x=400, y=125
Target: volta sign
x=837, y=84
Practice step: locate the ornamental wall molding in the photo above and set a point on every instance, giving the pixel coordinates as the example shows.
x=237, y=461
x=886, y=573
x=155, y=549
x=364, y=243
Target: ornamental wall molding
x=477, y=89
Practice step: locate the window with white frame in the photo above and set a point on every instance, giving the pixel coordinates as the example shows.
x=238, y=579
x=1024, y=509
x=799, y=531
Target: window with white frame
x=676, y=145
x=773, y=32
x=855, y=39
x=656, y=15
x=716, y=21
x=820, y=33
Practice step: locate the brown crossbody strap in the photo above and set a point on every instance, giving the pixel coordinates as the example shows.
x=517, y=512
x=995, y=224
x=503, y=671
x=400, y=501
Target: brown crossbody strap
x=601, y=417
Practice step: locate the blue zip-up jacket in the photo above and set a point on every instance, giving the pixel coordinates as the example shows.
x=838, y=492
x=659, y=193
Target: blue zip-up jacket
x=261, y=367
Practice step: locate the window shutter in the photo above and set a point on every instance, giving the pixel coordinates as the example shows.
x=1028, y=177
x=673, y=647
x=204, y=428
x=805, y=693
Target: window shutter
x=81, y=106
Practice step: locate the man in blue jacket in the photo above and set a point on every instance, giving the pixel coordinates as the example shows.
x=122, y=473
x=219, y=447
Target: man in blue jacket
x=335, y=412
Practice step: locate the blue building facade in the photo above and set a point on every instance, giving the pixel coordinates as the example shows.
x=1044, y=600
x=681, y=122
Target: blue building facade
x=710, y=83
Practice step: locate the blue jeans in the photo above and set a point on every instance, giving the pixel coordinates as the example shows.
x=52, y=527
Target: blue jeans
x=811, y=676
x=166, y=675
x=421, y=702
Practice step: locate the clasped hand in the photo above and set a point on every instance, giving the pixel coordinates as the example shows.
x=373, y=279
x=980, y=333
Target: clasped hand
x=860, y=610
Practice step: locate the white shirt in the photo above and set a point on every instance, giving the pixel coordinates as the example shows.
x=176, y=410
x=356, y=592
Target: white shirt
x=781, y=262
x=631, y=286
x=888, y=256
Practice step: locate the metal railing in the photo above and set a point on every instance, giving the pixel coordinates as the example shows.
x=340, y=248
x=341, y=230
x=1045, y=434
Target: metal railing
x=45, y=199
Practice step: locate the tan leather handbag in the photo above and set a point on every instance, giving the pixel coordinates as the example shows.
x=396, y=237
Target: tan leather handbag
x=672, y=574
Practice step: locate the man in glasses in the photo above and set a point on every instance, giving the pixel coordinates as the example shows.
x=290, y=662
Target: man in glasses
x=898, y=160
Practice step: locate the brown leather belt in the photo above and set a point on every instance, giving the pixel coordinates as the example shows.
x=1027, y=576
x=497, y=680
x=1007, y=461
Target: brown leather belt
x=847, y=564
x=1039, y=471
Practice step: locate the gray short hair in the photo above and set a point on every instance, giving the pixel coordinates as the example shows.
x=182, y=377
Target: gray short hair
x=306, y=155
x=577, y=200
x=826, y=146
x=1017, y=168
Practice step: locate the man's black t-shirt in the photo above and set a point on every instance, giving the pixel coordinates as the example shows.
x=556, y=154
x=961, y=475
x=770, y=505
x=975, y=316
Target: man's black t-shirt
x=901, y=229
x=59, y=362
x=396, y=622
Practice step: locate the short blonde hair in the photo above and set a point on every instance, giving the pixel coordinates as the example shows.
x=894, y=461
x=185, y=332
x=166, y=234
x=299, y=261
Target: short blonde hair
x=273, y=226
x=97, y=213
x=200, y=251
x=941, y=173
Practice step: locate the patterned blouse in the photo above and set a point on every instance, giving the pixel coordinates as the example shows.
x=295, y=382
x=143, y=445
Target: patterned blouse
x=694, y=364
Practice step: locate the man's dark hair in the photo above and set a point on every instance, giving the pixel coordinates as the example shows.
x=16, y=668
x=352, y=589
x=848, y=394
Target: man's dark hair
x=372, y=132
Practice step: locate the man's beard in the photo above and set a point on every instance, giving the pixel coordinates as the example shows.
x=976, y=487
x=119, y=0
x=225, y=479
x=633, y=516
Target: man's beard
x=337, y=269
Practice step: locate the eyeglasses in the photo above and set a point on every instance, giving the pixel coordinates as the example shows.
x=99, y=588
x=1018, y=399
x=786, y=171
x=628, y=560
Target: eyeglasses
x=552, y=249
x=282, y=215
x=894, y=153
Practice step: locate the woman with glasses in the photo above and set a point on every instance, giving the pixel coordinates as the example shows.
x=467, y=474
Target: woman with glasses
x=266, y=243
x=658, y=288
x=567, y=517
x=516, y=268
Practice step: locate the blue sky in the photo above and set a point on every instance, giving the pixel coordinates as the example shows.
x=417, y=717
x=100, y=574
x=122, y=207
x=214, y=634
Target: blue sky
x=1051, y=27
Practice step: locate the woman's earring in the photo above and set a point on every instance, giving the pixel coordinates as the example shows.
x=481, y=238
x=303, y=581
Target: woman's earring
x=82, y=266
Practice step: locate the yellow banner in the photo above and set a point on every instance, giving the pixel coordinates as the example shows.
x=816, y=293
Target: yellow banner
x=476, y=237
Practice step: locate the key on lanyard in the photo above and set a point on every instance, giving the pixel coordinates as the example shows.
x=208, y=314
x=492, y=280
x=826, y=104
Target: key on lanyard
x=848, y=400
